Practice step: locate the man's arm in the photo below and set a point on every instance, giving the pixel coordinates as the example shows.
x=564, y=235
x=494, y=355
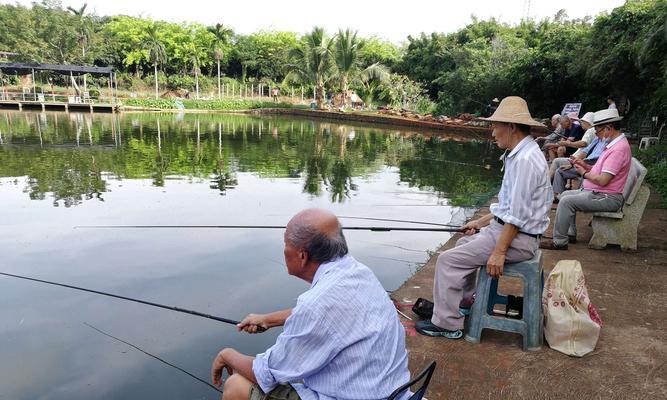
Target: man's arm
x=473, y=227
x=266, y=321
x=601, y=179
x=496, y=262
x=233, y=362
x=577, y=145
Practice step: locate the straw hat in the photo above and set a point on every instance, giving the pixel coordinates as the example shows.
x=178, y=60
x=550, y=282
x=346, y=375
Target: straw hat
x=606, y=116
x=513, y=109
x=588, y=117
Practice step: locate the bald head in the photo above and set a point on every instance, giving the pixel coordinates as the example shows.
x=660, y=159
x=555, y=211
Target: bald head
x=319, y=233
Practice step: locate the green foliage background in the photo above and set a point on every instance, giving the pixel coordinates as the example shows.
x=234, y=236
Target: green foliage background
x=548, y=62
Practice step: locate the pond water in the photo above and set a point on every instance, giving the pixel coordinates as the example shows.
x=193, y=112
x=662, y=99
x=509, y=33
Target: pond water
x=61, y=171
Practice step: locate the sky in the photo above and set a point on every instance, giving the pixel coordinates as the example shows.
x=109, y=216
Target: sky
x=391, y=20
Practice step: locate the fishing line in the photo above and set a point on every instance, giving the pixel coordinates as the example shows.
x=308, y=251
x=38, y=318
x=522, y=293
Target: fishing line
x=154, y=356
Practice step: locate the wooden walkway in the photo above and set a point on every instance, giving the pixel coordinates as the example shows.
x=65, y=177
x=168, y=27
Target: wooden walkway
x=57, y=106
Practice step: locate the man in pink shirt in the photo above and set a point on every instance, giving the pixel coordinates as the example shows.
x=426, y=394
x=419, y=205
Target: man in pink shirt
x=603, y=182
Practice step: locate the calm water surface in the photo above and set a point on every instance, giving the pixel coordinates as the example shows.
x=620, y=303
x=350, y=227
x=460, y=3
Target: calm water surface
x=59, y=171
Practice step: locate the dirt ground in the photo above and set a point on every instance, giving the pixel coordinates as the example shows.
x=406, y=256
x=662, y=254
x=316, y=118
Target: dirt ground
x=630, y=292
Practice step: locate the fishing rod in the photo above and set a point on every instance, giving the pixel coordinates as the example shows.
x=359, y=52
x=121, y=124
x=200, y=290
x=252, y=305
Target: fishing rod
x=348, y=228
x=397, y=220
x=172, y=308
x=152, y=355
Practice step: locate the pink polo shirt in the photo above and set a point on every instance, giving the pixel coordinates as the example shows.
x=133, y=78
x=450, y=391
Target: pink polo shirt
x=616, y=160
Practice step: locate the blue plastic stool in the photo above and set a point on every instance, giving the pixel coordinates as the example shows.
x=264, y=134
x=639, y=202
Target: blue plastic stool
x=531, y=326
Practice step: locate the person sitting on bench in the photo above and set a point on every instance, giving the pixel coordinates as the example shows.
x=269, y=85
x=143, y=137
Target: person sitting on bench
x=603, y=182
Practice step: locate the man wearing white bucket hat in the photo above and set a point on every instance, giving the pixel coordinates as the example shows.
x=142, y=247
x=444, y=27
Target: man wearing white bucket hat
x=510, y=233
x=603, y=182
x=586, y=123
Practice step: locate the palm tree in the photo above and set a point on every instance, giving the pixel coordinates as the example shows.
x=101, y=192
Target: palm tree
x=156, y=53
x=348, y=62
x=85, y=30
x=194, y=55
x=222, y=36
x=312, y=61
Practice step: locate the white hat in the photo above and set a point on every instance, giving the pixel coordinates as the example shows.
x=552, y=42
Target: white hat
x=588, y=117
x=606, y=116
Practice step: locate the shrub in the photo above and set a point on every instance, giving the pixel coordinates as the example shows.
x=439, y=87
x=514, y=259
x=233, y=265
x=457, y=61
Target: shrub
x=655, y=161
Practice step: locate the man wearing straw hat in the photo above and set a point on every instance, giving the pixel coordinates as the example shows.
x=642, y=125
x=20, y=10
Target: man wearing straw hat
x=510, y=233
x=603, y=182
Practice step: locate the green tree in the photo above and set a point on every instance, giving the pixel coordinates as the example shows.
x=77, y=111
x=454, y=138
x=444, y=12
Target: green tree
x=312, y=61
x=156, y=53
x=220, y=43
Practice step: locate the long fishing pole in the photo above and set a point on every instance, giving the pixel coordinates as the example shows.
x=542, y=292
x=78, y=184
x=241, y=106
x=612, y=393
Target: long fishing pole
x=397, y=220
x=386, y=219
x=172, y=308
x=348, y=228
x=152, y=355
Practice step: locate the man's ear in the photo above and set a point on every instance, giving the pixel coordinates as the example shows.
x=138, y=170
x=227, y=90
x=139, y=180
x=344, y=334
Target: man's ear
x=303, y=255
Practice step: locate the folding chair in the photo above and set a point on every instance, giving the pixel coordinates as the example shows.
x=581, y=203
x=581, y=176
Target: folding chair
x=426, y=375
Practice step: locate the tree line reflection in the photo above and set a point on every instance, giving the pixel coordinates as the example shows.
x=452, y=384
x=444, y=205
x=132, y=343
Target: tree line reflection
x=72, y=157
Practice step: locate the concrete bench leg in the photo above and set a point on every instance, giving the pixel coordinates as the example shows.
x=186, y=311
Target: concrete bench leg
x=620, y=231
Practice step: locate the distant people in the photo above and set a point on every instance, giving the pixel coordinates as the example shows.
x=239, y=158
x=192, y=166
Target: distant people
x=572, y=130
x=342, y=339
x=553, y=137
x=603, y=182
x=355, y=100
x=508, y=234
x=589, y=155
x=492, y=107
x=275, y=92
x=611, y=103
x=589, y=135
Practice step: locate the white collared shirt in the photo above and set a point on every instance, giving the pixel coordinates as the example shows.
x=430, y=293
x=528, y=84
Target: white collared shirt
x=613, y=142
x=343, y=339
x=526, y=194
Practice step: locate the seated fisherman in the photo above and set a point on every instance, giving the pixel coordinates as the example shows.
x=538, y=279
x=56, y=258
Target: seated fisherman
x=603, y=182
x=553, y=137
x=589, y=136
x=589, y=154
x=510, y=233
x=572, y=130
x=342, y=340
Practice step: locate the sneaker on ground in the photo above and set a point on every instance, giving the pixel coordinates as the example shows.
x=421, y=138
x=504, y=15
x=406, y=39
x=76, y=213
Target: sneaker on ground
x=429, y=329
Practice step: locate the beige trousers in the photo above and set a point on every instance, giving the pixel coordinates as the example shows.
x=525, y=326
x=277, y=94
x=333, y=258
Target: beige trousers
x=455, y=270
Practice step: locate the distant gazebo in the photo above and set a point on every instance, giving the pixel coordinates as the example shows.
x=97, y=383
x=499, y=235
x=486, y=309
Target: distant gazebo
x=20, y=68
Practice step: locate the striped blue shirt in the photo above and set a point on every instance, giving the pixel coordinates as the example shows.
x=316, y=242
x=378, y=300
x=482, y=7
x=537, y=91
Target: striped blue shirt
x=526, y=194
x=343, y=339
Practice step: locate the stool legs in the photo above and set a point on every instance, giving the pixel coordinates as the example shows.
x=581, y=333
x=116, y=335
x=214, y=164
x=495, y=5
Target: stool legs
x=479, y=308
x=532, y=314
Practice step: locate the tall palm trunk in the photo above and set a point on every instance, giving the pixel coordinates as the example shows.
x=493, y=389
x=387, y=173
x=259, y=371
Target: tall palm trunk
x=196, y=85
x=219, y=92
x=83, y=52
x=320, y=95
x=157, y=95
x=344, y=86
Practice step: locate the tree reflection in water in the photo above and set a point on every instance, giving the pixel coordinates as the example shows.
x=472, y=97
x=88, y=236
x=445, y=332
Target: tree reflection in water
x=45, y=152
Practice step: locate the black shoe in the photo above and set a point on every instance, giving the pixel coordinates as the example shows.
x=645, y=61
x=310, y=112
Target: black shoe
x=550, y=245
x=429, y=329
x=572, y=239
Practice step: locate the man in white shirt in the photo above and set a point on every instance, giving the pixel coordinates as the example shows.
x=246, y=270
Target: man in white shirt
x=510, y=233
x=342, y=340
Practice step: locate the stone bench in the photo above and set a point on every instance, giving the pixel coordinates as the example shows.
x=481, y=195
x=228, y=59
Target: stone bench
x=621, y=227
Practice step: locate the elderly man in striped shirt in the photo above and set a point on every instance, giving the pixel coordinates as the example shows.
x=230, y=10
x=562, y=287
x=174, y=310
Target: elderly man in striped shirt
x=510, y=233
x=342, y=340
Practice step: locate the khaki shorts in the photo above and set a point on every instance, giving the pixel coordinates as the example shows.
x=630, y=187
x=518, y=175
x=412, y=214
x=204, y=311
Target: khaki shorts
x=281, y=392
